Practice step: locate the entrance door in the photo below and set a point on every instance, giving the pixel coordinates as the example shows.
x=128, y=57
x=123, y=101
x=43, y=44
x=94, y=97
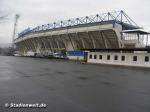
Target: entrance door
x=85, y=56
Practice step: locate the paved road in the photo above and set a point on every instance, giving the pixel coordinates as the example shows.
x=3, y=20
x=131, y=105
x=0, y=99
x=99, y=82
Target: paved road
x=67, y=86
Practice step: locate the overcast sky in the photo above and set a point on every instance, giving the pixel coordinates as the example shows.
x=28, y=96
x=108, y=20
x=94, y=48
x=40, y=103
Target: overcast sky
x=38, y=12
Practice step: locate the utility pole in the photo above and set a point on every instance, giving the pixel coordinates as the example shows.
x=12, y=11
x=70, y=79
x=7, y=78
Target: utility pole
x=14, y=31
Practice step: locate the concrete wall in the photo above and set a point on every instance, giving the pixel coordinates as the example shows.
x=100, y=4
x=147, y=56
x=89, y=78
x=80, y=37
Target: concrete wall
x=64, y=31
x=128, y=59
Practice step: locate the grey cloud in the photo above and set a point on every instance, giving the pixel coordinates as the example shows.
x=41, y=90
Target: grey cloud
x=38, y=12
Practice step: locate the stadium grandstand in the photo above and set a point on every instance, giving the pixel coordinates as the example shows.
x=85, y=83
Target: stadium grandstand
x=112, y=30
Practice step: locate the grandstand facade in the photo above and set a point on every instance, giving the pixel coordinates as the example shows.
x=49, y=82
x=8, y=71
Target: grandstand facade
x=112, y=30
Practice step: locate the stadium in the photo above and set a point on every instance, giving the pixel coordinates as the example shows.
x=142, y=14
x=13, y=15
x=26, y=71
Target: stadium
x=71, y=38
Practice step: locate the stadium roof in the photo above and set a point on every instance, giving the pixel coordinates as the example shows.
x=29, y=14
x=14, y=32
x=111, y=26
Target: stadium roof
x=139, y=31
x=119, y=17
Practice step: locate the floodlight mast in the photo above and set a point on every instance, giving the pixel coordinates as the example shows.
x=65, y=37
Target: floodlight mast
x=14, y=30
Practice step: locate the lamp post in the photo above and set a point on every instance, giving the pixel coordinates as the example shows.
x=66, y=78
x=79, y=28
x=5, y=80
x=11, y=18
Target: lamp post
x=14, y=31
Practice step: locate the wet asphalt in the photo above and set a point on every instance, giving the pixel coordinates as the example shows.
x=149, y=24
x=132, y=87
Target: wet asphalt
x=69, y=86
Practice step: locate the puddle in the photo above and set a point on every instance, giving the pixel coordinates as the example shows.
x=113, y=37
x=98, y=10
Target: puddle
x=7, y=75
x=82, y=78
